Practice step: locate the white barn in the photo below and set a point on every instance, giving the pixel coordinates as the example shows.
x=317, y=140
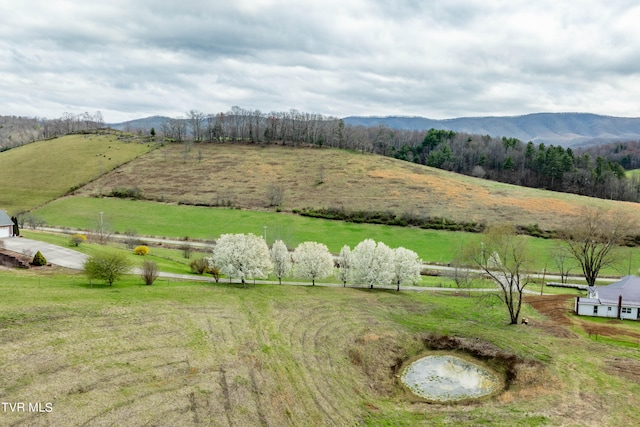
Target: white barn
x=6, y=225
x=619, y=300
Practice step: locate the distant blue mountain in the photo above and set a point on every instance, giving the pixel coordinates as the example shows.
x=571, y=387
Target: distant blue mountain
x=566, y=129
x=144, y=125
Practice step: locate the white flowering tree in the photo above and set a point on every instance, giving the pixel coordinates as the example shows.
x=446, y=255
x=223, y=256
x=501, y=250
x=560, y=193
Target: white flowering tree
x=244, y=256
x=281, y=259
x=312, y=260
x=344, y=265
x=406, y=267
x=372, y=263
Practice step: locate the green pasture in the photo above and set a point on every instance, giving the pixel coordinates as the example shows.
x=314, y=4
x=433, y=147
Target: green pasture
x=179, y=221
x=634, y=173
x=34, y=174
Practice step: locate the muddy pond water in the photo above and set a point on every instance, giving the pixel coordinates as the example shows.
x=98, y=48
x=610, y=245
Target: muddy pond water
x=446, y=378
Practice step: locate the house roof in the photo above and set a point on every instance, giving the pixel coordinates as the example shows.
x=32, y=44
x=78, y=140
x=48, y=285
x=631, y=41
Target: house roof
x=628, y=287
x=4, y=219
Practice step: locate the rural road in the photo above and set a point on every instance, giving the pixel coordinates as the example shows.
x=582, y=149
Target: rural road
x=208, y=245
x=69, y=258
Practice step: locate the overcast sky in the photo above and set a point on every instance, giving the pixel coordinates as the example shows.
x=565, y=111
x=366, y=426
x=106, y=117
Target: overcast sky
x=437, y=59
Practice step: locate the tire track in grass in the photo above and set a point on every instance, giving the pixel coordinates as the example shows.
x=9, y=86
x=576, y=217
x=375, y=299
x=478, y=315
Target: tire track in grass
x=322, y=365
x=225, y=396
x=287, y=319
x=256, y=395
x=298, y=337
x=335, y=328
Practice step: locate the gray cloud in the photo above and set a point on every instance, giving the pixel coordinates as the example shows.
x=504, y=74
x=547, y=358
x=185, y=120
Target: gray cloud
x=437, y=59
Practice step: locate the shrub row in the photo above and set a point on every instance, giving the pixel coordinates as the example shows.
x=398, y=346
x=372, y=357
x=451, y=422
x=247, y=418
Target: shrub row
x=127, y=193
x=390, y=218
x=534, y=230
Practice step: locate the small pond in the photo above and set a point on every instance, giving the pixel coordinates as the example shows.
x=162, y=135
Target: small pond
x=445, y=378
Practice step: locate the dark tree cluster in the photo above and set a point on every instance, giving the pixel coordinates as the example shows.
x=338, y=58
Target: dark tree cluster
x=531, y=165
x=626, y=154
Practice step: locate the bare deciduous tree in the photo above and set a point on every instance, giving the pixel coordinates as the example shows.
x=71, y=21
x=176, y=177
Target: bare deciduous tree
x=149, y=272
x=562, y=260
x=275, y=194
x=593, y=240
x=506, y=265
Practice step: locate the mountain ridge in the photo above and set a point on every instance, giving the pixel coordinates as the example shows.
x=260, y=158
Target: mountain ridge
x=565, y=129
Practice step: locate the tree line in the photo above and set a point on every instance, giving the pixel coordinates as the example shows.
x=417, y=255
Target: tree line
x=16, y=130
x=596, y=171
x=591, y=172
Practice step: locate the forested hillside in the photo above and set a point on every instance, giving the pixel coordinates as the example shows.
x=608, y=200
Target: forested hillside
x=501, y=159
x=594, y=171
x=530, y=165
x=16, y=131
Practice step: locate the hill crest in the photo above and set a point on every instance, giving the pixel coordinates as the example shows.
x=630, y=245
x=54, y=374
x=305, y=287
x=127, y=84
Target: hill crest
x=564, y=129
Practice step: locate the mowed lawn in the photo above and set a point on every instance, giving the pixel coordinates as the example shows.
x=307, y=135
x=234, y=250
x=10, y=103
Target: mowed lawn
x=36, y=173
x=184, y=353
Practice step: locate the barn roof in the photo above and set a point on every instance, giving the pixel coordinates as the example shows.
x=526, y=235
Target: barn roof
x=628, y=287
x=4, y=219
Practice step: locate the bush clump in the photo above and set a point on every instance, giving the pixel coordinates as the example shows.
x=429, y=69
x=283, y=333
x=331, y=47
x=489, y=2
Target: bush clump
x=127, y=193
x=78, y=238
x=39, y=259
x=199, y=266
x=141, y=250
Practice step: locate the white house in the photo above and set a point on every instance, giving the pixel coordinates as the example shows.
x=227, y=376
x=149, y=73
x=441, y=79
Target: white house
x=6, y=225
x=620, y=300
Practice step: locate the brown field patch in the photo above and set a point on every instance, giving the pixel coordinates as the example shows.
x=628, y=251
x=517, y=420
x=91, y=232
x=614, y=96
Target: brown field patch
x=624, y=367
x=559, y=309
x=322, y=178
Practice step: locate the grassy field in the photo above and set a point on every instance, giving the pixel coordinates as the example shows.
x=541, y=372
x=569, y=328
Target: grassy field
x=633, y=173
x=185, y=354
x=178, y=221
x=189, y=353
x=241, y=175
x=36, y=173
x=159, y=219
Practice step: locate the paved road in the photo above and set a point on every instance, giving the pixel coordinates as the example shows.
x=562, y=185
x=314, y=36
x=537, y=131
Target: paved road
x=69, y=258
x=54, y=254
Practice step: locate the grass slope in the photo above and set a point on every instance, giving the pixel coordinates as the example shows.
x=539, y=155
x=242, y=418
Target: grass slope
x=191, y=354
x=241, y=175
x=178, y=221
x=159, y=219
x=36, y=173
